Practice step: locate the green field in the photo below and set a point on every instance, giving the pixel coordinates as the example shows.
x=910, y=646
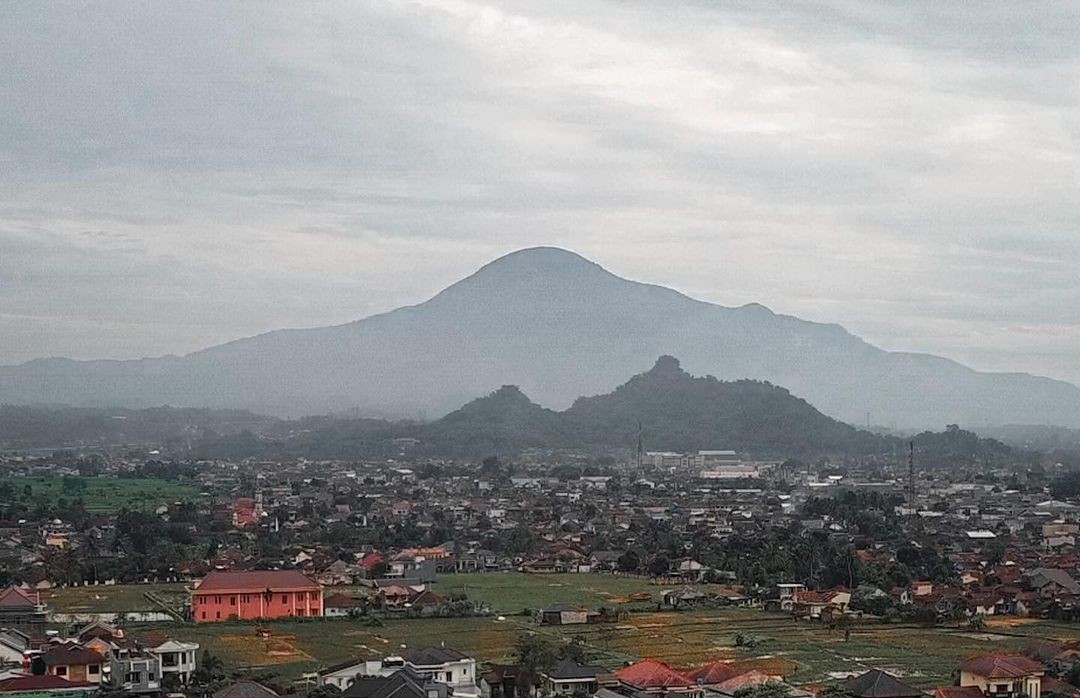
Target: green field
x=511, y=592
x=99, y=494
x=112, y=599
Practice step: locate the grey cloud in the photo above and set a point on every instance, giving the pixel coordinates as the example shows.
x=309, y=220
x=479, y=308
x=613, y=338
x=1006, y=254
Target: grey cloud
x=179, y=174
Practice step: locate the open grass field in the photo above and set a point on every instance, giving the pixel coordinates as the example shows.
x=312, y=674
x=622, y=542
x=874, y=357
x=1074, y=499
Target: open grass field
x=511, y=592
x=100, y=494
x=805, y=653
x=111, y=599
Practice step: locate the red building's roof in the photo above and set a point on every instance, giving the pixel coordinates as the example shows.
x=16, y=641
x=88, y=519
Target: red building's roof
x=653, y=673
x=33, y=682
x=372, y=560
x=14, y=597
x=340, y=600
x=750, y=678
x=256, y=582
x=715, y=673
x=1002, y=666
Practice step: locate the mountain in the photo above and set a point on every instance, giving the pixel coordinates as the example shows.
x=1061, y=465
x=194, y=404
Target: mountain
x=506, y=421
x=558, y=326
x=674, y=411
x=680, y=412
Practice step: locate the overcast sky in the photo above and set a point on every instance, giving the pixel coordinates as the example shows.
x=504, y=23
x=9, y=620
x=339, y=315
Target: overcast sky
x=174, y=175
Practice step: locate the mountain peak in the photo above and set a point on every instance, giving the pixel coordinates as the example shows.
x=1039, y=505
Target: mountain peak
x=666, y=365
x=541, y=260
x=531, y=274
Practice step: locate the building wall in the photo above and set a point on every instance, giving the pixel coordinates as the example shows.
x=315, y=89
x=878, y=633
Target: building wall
x=459, y=675
x=77, y=672
x=211, y=606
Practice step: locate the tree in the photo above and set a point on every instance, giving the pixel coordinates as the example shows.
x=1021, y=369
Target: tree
x=575, y=650
x=535, y=654
x=769, y=689
x=835, y=691
x=209, y=672
x=629, y=561
x=746, y=640
x=325, y=691
x=1066, y=486
x=659, y=565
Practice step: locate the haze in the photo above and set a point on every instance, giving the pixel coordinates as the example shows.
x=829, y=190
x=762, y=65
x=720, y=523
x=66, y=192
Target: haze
x=174, y=175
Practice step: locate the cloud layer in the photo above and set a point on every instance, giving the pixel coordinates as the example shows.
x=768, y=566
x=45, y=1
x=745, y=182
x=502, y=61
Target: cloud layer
x=174, y=175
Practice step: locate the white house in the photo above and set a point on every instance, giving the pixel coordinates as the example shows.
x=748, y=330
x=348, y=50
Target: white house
x=438, y=664
x=177, y=658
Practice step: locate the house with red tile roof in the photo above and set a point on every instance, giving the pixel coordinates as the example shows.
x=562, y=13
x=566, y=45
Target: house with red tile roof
x=339, y=605
x=713, y=674
x=655, y=676
x=745, y=680
x=21, y=607
x=1003, y=675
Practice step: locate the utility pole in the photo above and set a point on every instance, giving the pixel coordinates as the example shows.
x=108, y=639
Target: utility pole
x=911, y=476
x=640, y=445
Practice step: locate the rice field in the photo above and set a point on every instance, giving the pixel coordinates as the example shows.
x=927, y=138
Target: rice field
x=805, y=653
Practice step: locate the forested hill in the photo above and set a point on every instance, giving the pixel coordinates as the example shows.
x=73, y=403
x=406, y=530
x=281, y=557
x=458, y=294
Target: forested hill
x=681, y=412
x=674, y=410
x=23, y=427
x=670, y=409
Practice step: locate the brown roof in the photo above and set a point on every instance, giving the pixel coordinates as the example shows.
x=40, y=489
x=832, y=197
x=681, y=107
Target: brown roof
x=879, y=684
x=37, y=683
x=1051, y=685
x=154, y=638
x=14, y=597
x=256, y=581
x=71, y=655
x=245, y=689
x=958, y=692
x=339, y=600
x=1002, y=666
x=750, y=678
x=653, y=673
x=715, y=673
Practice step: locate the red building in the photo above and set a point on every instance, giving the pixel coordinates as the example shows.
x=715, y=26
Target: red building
x=254, y=595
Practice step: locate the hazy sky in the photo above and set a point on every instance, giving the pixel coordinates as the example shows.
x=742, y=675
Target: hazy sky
x=173, y=175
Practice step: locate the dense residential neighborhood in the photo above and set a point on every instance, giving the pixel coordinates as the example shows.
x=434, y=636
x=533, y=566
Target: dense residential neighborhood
x=245, y=547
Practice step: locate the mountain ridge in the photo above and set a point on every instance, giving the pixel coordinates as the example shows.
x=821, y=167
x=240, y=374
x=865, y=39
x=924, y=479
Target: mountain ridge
x=670, y=408
x=559, y=326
